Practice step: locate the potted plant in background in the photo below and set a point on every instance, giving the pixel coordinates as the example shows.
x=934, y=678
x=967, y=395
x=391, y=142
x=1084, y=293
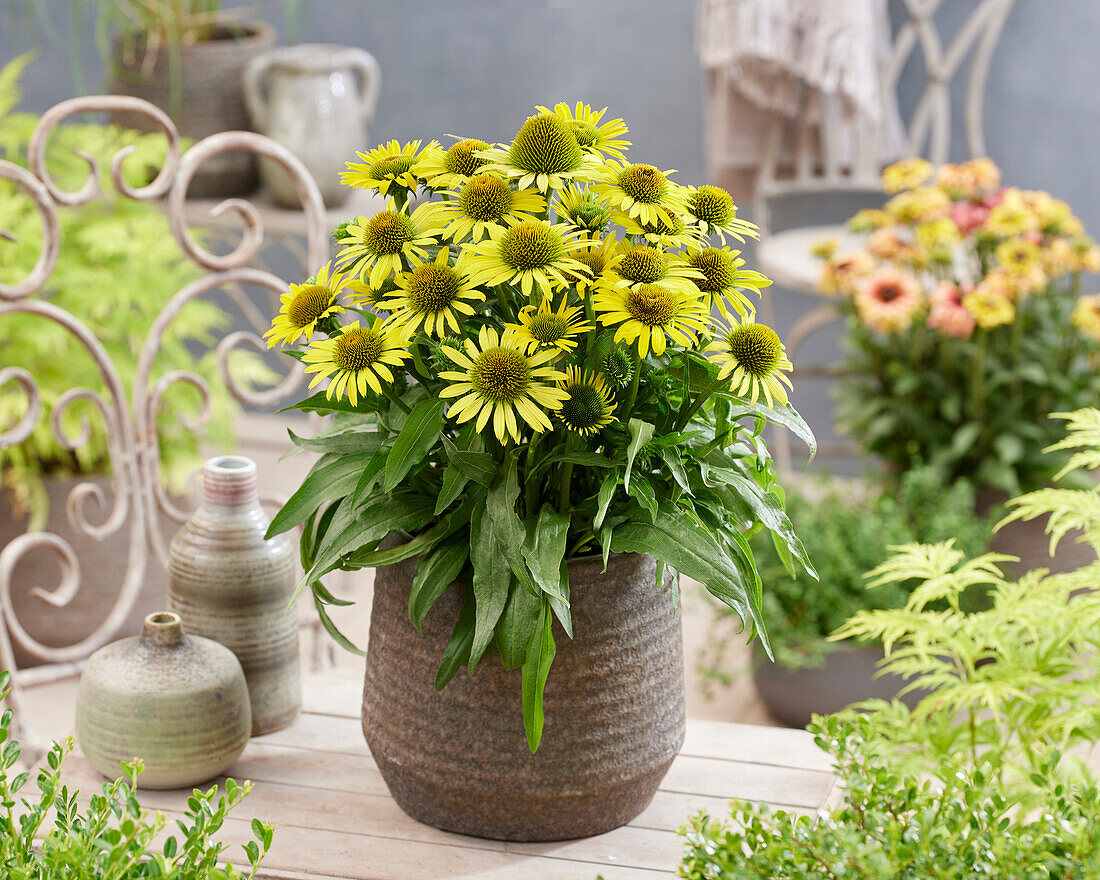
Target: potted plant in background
x=966, y=327
x=118, y=266
x=535, y=422
x=847, y=527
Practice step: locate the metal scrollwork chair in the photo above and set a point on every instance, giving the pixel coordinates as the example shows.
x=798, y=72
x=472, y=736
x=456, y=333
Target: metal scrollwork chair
x=139, y=501
x=818, y=166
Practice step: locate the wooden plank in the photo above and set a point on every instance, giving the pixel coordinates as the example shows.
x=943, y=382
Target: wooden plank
x=779, y=746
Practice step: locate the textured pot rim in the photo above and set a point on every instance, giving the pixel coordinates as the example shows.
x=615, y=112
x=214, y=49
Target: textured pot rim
x=254, y=31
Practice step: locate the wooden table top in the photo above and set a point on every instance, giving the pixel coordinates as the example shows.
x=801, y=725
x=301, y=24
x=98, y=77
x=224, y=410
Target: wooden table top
x=317, y=783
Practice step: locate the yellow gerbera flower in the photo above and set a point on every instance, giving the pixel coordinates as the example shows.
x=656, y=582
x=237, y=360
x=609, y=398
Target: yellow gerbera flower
x=582, y=209
x=635, y=264
x=386, y=166
x=1086, y=315
x=533, y=252
x=485, y=205
x=584, y=122
x=906, y=174
x=649, y=313
x=376, y=245
x=716, y=214
x=544, y=328
x=306, y=304
x=499, y=379
x=447, y=169
x=754, y=356
x=723, y=278
x=1012, y=216
x=544, y=153
x=430, y=295
x=599, y=258
x=641, y=191
x=590, y=405
x=990, y=308
x=355, y=359
x=1018, y=256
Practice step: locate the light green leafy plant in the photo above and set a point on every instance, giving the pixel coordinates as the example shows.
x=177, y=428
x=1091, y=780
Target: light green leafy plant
x=51, y=836
x=118, y=266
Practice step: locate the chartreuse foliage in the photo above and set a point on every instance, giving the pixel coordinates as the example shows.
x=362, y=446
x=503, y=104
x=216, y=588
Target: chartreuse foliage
x=533, y=374
x=49, y=835
x=983, y=777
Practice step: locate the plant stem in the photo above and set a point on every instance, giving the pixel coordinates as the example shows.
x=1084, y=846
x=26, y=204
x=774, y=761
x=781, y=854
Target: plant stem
x=388, y=391
x=567, y=474
x=627, y=405
x=700, y=398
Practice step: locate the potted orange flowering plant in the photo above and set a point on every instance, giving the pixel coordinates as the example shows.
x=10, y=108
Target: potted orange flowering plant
x=546, y=391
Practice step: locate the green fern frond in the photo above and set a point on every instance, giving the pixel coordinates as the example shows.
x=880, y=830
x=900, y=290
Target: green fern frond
x=1068, y=510
x=1083, y=432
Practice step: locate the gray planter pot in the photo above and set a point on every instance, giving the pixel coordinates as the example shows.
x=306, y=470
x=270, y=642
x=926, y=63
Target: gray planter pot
x=793, y=696
x=458, y=758
x=210, y=98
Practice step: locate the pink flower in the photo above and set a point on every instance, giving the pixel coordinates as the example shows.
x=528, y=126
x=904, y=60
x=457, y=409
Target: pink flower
x=969, y=216
x=887, y=301
x=948, y=314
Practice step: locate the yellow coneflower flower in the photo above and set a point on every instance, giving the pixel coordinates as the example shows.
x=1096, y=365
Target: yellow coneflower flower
x=533, y=253
x=906, y=174
x=722, y=277
x=599, y=258
x=485, y=205
x=306, y=304
x=635, y=264
x=431, y=295
x=648, y=313
x=1086, y=315
x=498, y=379
x=589, y=406
x=544, y=153
x=386, y=166
x=584, y=122
x=641, y=191
x=544, y=328
x=355, y=360
x=753, y=355
x=450, y=168
x=582, y=209
x=716, y=213
x=666, y=235
x=374, y=246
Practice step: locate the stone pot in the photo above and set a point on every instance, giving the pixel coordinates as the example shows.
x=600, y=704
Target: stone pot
x=794, y=696
x=208, y=97
x=177, y=702
x=1029, y=541
x=103, y=570
x=229, y=584
x=318, y=101
x=458, y=758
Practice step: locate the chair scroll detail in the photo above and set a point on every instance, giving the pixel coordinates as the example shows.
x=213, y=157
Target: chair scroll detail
x=130, y=427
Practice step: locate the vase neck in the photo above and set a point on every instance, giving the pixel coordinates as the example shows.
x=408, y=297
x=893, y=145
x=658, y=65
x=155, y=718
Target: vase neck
x=162, y=629
x=229, y=481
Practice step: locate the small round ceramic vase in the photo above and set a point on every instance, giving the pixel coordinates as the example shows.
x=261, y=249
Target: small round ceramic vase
x=178, y=702
x=229, y=584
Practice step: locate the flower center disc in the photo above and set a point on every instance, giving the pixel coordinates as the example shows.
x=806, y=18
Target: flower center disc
x=309, y=304
x=757, y=349
x=643, y=183
x=390, y=166
x=595, y=260
x=432, y=287
x=388, y=232
x=501, y=374
x=531, y=245
x=713, y=205
x=651, y=304
x=717, y=269
x=586, y=133
x=486, y=198
x=548, y=329
x=643, y=265
x=545, y=145
x=583, y=409
x=357, y=349
x=460, y=158
x=617, y=365
x=888, y=293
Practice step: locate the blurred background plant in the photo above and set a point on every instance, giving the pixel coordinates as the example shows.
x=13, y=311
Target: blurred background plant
x=118, y=266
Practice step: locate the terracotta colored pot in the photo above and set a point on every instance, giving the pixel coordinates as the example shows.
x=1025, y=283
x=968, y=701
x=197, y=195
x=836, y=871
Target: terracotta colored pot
x=458, y=758
x=209, y=97
x=1029, y=541
x=230, y=585
x=177, y=702
x=847, y=676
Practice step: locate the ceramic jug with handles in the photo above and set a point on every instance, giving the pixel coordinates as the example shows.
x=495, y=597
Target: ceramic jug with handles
x=318, y=101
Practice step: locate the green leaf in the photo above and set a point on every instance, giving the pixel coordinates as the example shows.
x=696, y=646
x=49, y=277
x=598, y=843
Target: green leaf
x=342, y=640
x=782, y=414
x=671, y=457
x=965, y=437
x=434, y=574
x=323, y=484
x=642, y=490
x=454, y=481
x=511, y=532
x=418, y=435
x=477, y=466
x=421, y=543
x=516, y=626
x=491, y=581
x=536, y=668
x=544, y=550
x=370, y=477
x=607, y=492
x=640, y=433
x=346, y=443
x=458, y=648
x=320, y=403
x=581, y=457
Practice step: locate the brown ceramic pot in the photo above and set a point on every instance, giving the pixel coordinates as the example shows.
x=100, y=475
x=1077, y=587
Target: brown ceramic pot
x=230, y=585
x=1029, y=541
x=458, y=758
x=177, y=702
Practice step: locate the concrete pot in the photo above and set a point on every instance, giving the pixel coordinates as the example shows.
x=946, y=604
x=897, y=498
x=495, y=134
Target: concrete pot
x=210, y=98
x=1029, y=541
x=794, y=696
x=177, y=702
x=458, y=758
